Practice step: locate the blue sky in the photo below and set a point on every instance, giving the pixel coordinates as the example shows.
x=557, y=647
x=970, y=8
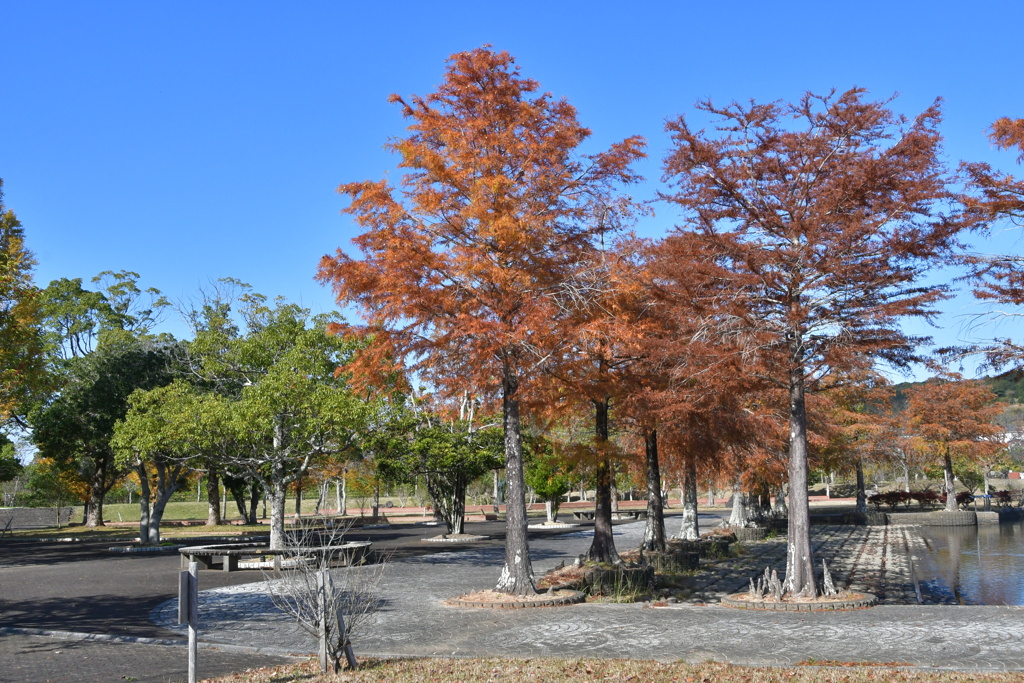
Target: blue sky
x=194, y=140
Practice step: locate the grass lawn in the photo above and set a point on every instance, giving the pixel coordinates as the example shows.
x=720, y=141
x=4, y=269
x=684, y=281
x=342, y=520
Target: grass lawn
x=130, y=532
x=443, y=670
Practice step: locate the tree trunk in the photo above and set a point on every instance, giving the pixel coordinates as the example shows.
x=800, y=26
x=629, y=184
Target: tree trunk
x=212, y=497
x=277, y=503
x=140, y=470
x=344, y=496
x=449, y=496
x=298, y=497
x=254, y=502
x=690, y=529
x=168, y=484
x=711, y=495
x=799, y=557
x=321, y=495
x=862, y=496
x=602, y=548
x=950, y=484
x=457, y=525
x=517, y=574
x=613, y=489
x=654, y=533
x=238, y=490
x=497, y=492
x=97, y=490
x=739, y=516
x=780, y=510
x=548, y=509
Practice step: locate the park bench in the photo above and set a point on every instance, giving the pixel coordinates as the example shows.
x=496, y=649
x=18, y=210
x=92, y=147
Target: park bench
x=621, y=514
x=228, y=555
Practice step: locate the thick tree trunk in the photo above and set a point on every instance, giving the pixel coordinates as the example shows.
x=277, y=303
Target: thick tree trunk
x=654, y=533
x=517, y=574
x=711, y=495
x=277, y=503
x=168, y=484
x=254, y=502
x=862, y=496
x=780, y=510
x=212, y=497
x=738, y=517
x=949, y=484
x=97, y=490
x=799, y=557
x=690, y=529
x=602, y=548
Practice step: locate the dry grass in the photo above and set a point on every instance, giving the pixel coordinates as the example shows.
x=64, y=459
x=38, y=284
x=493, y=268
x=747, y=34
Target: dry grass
x=581, y=670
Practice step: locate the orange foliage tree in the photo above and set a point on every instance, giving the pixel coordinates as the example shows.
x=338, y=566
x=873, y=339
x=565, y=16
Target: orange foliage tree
x=22, y=368
x=820, y=216
x=954, y=419
x=461, y=265
x=995, y=196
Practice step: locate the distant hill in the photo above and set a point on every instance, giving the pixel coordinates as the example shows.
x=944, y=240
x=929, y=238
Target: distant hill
x=1009, y=387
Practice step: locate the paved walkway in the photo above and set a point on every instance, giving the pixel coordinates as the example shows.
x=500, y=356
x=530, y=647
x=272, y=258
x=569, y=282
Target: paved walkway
x=414, y=621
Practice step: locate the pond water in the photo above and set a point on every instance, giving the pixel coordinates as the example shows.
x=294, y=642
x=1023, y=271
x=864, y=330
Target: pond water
x=977, y=565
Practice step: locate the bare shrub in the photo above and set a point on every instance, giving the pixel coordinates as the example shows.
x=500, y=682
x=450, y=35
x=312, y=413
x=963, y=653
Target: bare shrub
x=318, y=585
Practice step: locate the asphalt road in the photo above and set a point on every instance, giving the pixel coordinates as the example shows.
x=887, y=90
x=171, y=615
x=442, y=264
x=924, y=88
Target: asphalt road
x=74, y=611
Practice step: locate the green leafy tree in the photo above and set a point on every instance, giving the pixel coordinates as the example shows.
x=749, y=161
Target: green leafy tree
x=448, y=453
x=282, y=404
x=549, y=475
x=162, y=432
x=51, y=485
x=75, y=428
x=10, y=465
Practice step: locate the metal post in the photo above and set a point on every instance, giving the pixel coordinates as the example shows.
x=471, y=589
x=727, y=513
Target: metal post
x=188, y=612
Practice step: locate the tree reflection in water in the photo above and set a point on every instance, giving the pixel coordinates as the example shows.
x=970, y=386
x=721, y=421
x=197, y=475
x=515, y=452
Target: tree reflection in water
x=981, y=565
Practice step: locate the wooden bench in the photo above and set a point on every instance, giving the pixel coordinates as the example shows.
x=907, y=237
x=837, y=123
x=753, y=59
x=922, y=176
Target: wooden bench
x=584, y=514
x=229, y=554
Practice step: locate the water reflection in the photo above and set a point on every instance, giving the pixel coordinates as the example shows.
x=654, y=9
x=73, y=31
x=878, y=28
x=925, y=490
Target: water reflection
x=982, y=565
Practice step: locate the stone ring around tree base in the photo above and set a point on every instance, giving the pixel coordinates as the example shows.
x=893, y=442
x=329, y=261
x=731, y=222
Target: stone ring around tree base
x=495, y=600
x=845, y=601
x=455, y=538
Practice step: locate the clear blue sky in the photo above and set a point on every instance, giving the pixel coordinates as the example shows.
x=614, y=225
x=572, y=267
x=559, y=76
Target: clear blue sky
x=194, y=140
